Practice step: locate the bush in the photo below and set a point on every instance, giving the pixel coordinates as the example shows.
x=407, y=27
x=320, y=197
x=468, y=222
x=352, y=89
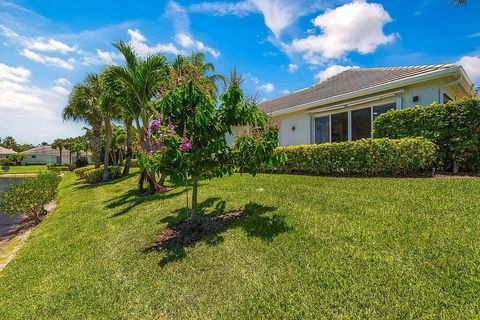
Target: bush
x=57, y=167
x=363, y=157
x=5, y=164
x=93, y=176
x=31, y=196
x=80, y=172
x=81, y=162
x=454, y=127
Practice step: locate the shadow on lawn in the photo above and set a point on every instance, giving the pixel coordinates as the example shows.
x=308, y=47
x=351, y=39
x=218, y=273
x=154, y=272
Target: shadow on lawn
x=208, y=227
x=131, y=199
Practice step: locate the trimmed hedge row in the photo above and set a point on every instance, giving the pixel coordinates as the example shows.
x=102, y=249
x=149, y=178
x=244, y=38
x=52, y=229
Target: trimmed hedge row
x=454, y=127
x=80, y=172
x=362, y=157
x=96, y=175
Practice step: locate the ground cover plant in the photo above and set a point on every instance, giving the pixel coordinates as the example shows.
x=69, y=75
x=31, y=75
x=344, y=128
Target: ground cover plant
x=309, y=247
x=25, y=169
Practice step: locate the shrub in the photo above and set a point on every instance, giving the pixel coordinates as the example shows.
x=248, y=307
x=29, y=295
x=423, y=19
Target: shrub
x=57, y=167
x=31, y=196
x=5, y=164
x=80, y=172
x=81, y=162
x=364, y=157
x=96, y=175
x=454, y=127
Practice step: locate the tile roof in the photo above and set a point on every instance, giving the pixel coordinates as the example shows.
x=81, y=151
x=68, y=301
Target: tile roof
x=6, y=151
x=46, y=150
x=348, y=81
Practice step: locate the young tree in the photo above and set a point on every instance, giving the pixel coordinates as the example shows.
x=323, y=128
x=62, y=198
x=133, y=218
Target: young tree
x=59, y=144
x=189, y=140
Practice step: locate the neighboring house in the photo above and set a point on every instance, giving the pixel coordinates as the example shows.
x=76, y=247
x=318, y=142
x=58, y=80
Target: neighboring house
x=343, y=107
x=5, y=152
x=47, y=154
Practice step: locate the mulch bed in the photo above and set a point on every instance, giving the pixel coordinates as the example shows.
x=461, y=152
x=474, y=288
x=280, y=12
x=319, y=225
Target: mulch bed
x=186, y=233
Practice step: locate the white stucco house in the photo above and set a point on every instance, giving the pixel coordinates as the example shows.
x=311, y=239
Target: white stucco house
x=46, y=154
x=5, y=152
x=343, y=107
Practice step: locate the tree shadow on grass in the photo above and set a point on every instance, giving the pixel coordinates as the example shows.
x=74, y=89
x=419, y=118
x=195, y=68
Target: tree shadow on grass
x=131, y=199
x=208, y=227
x=80, y=185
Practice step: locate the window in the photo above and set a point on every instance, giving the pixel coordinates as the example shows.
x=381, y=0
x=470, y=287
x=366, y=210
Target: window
x=339, y=127
x=322, y=129
x=34, y=156
x=361, y=123
x=382, y=109
x=446, y=98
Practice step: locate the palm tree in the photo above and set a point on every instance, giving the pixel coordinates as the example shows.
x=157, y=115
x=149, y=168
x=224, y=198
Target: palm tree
x=140, y=79
x=84, y=105
x=59, y=144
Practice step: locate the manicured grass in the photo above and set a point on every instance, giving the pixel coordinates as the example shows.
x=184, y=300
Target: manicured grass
x=311, y=248
x=25, y=169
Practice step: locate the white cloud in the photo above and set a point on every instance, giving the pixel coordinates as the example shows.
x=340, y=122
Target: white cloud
x=187, y=42
x=267, y=87
x=332, y=71
x=42, y=44
x=63, y=82
x=356, y=26
x=139, y=43
x=292, y=68
x=61, y=90
x=47, y=60
x=278, y=14
x=471, y=64
x=14, y=74
x=38, y=43
x=109, y=57
x=285, y=91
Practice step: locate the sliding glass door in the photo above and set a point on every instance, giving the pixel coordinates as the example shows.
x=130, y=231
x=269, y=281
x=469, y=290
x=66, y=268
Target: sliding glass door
x=361, y=123
x=339, y=127
x=322, y=129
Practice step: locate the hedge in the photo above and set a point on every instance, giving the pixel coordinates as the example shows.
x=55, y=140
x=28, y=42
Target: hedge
x=454, y=127
x=80, y=172
x=133, y=163
x=96, y=175
x=361, y=157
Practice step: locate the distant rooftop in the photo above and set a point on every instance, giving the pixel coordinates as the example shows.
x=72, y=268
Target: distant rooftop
x=6, y=151
x=47, y=151
x=348, y=81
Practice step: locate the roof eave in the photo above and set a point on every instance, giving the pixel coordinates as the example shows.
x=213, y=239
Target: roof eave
x=370, y=90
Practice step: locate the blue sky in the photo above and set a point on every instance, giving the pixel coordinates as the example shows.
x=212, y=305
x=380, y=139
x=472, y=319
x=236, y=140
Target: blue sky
x=278, y=45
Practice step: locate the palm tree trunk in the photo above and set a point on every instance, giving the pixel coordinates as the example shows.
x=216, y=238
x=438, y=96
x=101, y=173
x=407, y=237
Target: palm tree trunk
x=108, y=144
x=128, y=159
x=96, y=133
x=61, y=158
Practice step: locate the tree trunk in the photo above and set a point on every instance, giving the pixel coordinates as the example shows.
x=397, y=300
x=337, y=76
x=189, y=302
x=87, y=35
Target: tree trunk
x=128, y=159
x=70, y=153
x=60, y=149
x=194, y=196
x=108, y=143
x=96, y=133
x=36, y=217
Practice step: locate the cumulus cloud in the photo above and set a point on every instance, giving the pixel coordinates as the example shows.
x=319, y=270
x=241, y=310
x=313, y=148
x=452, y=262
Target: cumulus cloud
x=13, y=74
x=471, y=64
x=187, y=42
x=109, y=57
x=61, y=90
x=292, y=68
x=139, y=43
x=285, y=91
x=331, y=71
x=278, y=14
x=48, y=60
x=356, y=26
x=63, y=82
x=267, y=87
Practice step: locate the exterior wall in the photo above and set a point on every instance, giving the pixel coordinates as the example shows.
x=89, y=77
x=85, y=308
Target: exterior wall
x=303, y=121
x=295, y=128
x=46, y=159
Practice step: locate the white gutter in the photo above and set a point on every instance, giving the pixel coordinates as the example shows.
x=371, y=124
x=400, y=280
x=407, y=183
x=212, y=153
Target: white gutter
x=371, y=90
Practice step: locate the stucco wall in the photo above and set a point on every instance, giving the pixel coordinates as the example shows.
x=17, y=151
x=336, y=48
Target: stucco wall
x=300, y=135
x=427, y=93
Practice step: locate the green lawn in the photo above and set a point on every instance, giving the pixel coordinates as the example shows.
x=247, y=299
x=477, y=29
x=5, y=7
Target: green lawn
x=311, y=248
x=25, y=169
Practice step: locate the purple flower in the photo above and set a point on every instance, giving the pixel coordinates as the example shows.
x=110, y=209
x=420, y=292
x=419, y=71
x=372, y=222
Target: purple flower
x=158, y=145
x=170, y=126
x=154, y=125
x=185, y=145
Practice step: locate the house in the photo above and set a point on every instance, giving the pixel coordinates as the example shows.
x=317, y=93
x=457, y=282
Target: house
x=5, y=152
x=46, y=154
x=343, y=107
